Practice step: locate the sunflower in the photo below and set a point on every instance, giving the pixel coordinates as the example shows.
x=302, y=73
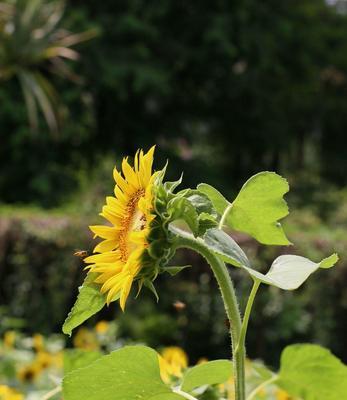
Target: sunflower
x=172, y=361
x=7, y=393
x=129, y=212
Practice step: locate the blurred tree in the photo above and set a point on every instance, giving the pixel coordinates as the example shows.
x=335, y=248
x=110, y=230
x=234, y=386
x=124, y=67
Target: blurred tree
x=227, y=89
x=33, y=46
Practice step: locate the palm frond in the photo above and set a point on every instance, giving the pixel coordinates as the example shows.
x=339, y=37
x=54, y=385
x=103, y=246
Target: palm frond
x=31, y=41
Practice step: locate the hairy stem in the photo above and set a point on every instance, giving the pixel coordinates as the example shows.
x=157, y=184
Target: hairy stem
x=221, y=274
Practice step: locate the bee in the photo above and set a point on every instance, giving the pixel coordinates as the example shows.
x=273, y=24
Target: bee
x=80, y=253
x=179, y=305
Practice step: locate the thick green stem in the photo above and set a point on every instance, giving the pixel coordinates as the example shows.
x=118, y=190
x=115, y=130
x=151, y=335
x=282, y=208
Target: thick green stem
x=230, y=302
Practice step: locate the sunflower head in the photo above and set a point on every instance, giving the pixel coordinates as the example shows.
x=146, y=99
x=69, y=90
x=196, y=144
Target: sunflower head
x=136, y=243
x=122, y=255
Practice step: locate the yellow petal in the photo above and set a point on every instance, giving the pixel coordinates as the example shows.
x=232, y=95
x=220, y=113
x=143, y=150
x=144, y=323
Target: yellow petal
x=129, y=174
x=105, y=232
x=110, y=256
x=106, y=245
x=125, y=291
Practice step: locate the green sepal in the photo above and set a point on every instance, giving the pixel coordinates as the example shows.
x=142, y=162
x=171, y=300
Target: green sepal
x=149, y=285
x=174, y=270
x=171, y=186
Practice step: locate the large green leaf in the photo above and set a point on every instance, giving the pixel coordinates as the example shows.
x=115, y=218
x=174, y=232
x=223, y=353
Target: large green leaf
x=210, y=373
x=288, y=272
x=224, y=246
x=257, y=208
x=77, y=358
x=88, y=303
x=126, y=374
x=312, y=373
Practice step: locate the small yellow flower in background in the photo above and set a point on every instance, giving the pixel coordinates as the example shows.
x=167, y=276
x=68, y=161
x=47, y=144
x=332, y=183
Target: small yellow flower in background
x=38, y=342
x=228, y=388
x=29, y=373
x=130, y=214
x=282, y=395
x=44, y=360
x=85, y=340
x=9, y=339
x=7, y=393
x=102, y=327
x=172, y=361
x=58, y=359
x=202, y=360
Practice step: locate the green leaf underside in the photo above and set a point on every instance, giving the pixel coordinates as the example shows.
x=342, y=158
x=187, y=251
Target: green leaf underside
x=210, y=373
x=126, y=374
x=89, y=302
x=224, y=246
x=182, y=208
x=220, y=203
x=312, y=373
x=288, y=272
x=75, y=358
x=257, y=208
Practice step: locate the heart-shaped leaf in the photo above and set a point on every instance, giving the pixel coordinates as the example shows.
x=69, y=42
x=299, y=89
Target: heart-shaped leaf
x=288, y=272
x=126, y=374
x=257, y=208
x=311, y=372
